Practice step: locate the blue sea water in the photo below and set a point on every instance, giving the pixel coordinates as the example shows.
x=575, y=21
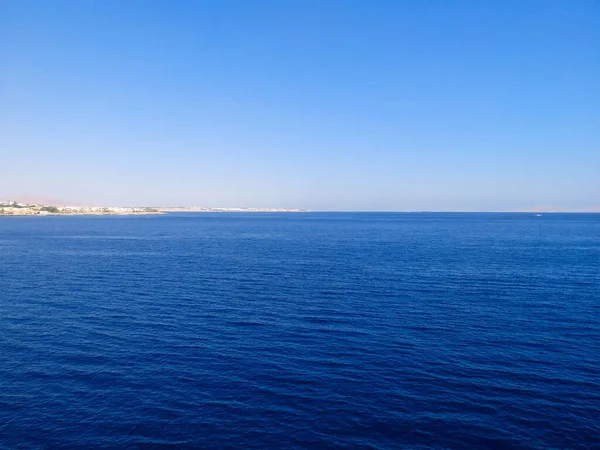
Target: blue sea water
x=314, y=330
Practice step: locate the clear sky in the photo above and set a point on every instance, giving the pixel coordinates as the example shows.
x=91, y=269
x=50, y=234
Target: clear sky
x=319, y=104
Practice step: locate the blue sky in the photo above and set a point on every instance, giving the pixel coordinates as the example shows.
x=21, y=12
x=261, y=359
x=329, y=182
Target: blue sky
x=327, y=105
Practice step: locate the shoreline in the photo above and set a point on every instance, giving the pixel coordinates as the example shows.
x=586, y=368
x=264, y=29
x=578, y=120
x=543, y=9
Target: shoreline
x=123, y=211
x=14, y=208
x=85, y=214
x=230, y=210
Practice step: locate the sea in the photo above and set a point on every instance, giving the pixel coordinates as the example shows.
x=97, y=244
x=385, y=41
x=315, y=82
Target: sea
x=300, y=330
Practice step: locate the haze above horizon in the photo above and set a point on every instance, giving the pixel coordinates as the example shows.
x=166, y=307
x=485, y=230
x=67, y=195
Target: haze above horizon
x=335, y=105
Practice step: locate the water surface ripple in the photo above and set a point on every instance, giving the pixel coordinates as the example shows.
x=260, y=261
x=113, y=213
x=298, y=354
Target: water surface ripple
x=300, y=330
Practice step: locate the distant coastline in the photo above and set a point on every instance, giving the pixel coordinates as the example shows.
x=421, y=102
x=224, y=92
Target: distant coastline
x=14, y=208
x=202, y=209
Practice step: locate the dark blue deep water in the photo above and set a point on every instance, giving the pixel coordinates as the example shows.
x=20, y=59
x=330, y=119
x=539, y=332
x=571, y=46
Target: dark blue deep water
x=446, y=331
